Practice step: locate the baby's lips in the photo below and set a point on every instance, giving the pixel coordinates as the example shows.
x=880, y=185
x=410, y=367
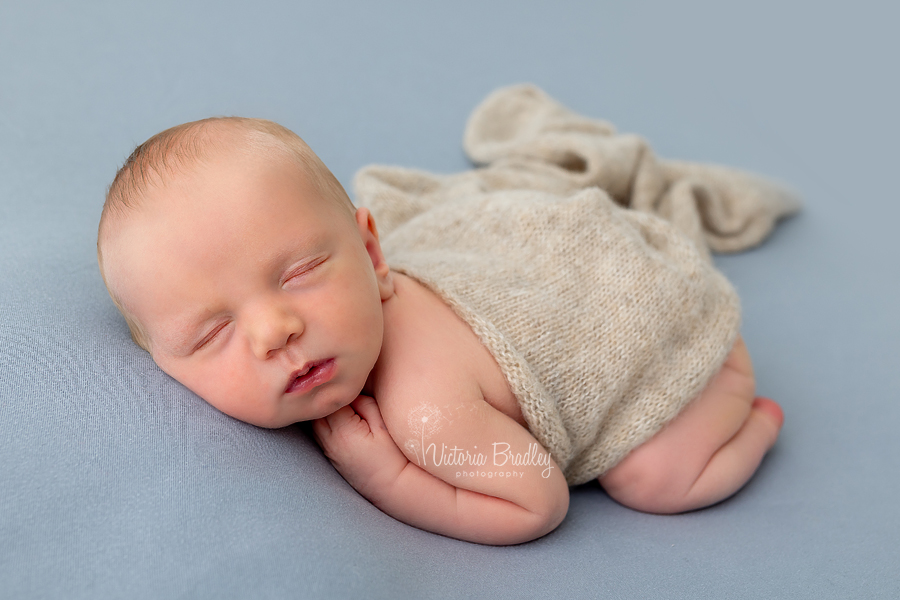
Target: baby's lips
x=292, y=380
x=312, y=374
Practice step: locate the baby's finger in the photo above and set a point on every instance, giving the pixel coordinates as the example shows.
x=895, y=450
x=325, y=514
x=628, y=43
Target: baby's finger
x=320, y=427
x=368, y=409
x=341, y=417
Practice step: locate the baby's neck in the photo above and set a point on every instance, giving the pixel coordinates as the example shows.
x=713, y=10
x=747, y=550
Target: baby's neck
x=393, y=309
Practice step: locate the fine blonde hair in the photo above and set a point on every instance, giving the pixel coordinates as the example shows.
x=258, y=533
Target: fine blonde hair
x=157, y=161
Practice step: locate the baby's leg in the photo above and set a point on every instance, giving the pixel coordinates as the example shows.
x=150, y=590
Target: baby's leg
x=707, y=452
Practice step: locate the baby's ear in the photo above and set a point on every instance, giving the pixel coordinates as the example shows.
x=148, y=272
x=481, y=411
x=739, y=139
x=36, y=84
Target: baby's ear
x=365, y=222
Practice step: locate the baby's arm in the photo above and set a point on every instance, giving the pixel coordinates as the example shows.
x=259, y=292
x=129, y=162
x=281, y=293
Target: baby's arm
x=434, y=485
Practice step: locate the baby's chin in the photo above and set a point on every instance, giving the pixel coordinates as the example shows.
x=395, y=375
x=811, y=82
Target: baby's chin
x=337, y=405
x=329, y=406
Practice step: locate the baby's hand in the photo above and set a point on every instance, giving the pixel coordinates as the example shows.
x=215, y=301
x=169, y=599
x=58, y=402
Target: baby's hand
x=356, y=441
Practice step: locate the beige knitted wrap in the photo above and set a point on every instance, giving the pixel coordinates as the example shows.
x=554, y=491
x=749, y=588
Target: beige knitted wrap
x=605, y=321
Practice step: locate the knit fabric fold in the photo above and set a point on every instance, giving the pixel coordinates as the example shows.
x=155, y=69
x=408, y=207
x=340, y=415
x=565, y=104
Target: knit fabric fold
x=526, y=140
x=582, y=263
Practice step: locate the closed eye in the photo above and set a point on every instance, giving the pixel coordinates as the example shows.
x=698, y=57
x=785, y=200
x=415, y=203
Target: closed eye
x=303, y=269
x=211, y=336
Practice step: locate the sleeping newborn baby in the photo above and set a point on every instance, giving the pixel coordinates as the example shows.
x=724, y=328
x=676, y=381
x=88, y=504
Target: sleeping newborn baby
x=240, y=264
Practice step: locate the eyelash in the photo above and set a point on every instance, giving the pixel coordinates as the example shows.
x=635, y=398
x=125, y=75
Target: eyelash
x=211, y=336
x=304, y=269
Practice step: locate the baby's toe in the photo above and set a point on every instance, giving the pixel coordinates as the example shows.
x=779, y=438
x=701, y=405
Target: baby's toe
x=770, y=408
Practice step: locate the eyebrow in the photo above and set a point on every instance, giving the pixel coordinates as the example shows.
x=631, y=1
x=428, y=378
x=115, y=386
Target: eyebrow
x=186, y=336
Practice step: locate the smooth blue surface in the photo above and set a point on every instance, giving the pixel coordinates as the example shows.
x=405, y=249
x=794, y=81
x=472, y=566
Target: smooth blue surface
x=116, y=482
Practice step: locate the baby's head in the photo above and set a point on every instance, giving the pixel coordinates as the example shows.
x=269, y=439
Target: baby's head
x=240, y=264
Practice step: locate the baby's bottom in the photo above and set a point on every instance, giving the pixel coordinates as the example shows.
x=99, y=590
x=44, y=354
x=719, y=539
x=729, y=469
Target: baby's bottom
x=707, y=452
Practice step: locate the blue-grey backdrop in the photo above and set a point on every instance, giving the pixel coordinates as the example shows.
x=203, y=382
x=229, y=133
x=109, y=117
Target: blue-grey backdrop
x=115, y=482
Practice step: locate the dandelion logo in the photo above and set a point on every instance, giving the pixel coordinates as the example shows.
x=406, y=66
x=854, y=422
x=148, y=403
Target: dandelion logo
x=412, y=446
x=425, y=420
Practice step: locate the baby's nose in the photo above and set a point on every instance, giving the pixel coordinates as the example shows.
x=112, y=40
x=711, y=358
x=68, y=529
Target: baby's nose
x=271, y=328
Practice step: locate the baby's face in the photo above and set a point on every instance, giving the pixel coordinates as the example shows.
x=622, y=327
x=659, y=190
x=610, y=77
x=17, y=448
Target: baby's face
x=255, y=293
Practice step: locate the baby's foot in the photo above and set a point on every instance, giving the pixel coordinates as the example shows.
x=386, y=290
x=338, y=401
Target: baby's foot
x=769, y=407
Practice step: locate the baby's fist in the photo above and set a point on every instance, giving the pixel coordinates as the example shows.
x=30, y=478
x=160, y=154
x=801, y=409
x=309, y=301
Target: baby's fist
x=356, y=441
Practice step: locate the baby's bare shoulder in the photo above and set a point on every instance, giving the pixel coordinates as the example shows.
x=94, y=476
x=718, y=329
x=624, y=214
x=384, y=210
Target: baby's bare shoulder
x=432, y=363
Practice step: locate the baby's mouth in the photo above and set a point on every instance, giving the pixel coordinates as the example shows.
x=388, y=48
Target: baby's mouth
x=312, y=374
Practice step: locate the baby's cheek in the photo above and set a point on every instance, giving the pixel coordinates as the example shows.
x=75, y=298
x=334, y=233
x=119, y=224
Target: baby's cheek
x=189, y=374
x=218, y=383
x=233, y=378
